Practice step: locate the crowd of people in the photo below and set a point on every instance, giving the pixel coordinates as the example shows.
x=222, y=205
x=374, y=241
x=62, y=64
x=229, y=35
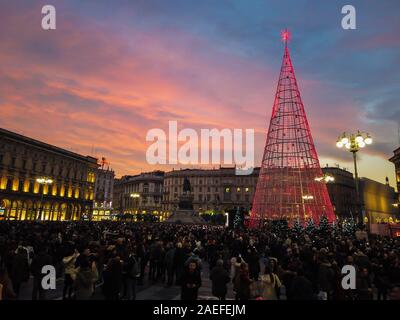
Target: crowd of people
x=268, y=263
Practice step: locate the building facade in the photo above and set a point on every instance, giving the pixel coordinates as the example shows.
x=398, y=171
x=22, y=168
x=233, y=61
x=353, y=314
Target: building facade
x=214, y=190
x=103, y=194
x=396, y=161
x=41, y=181
x=379, y=201
x=342, y=192
x=139, y=194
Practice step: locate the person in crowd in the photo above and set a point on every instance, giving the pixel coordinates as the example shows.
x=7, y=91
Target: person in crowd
x=381, y=282
x=86, y=276
x=132, y=273
x=39, y=261
x=69, y=272
x=81, y=257
x=394, y=292
x=363, y=285
x=7, y=291
x=300, y=256
x=169, y=263
x=219, y=277
x=242, y=283
x=142, y=255
x=194, y=256
x=254, y=263
x=19, y=272
x=270, y=284
x=179, y=262
x=325, y=276
x=112, y=279
x=191, y=281
x=302, y=288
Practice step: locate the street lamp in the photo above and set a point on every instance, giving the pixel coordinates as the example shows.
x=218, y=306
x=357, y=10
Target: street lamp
x=326, y=178
x=134, y=195
x=353, y=143
x=43, y=181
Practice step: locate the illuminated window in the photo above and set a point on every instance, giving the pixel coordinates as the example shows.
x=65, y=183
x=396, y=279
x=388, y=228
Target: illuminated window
x=15, y=185
x=36, y=187
x=247, y=189
x=62, y=191
x=76, y=193
x=54, y=190
x=91, y=177
x=227, y=189
x=26, y=186
x=3, y=183
x=238, y=189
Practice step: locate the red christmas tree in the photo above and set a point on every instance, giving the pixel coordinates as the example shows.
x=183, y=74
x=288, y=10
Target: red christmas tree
x=290, y=184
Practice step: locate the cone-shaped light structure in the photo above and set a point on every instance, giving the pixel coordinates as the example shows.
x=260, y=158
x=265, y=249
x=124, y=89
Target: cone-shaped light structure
x=287, y=187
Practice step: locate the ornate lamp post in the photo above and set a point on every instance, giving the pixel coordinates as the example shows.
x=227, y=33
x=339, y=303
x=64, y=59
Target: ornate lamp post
x=43, y=181
x=353, y=143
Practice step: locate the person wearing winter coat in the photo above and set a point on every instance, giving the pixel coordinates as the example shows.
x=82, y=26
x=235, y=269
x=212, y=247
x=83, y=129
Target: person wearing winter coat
x=39, y=261
x=69, y=273
x=112, y=276
x=270, y=284
x=363, y=285
x=219, y=278
x=302, y=288
x=132, y=273
x=86, y=276
x=19, y=272
x=194, y=256
x=254, y=263
x=325, y=279
x=180, y=258
x=169, y=264
x=242, y=283
x=6, y=288
x=190, y=282
x=235, y=265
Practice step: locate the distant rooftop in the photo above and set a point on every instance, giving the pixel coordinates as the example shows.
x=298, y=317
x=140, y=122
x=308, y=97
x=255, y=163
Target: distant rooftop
x=42, y=145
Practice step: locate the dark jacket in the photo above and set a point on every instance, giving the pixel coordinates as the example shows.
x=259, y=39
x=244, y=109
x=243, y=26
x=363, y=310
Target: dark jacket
x=39, y=261
x=20, y=268
x=220, y=278
x=169, y=258
x=325, y=277
x=302, y=289
x=242, y=285
x=84, y=281
x=112, y=277
x=180, y=257
x=190, y=278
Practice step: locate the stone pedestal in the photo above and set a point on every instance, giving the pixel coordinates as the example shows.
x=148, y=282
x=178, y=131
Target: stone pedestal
x=185, y=214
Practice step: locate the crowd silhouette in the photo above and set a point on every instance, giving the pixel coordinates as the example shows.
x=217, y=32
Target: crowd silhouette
x=268, y=263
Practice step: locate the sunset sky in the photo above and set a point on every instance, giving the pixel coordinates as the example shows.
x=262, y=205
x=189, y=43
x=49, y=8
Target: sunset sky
x=112, y=70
